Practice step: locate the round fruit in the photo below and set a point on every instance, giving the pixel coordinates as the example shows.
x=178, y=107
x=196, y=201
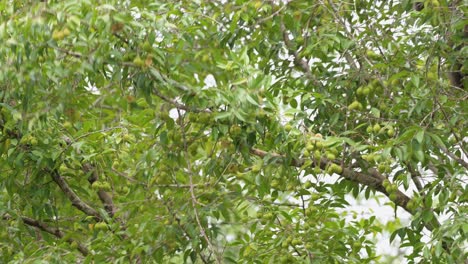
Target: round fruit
x=391, y=132
x=100, y=226
x=138, y=61
x=296, y=242
x=376, y=128
x=366, y=91
x=319, y=144
x=386, y=183
x=256, y=168
x=96, y=185
x=74, y=245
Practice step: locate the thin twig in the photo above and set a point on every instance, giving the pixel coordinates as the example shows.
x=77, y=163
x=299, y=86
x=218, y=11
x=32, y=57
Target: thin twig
x=192, y=192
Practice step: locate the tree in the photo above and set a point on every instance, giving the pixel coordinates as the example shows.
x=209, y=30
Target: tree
x=231, y=131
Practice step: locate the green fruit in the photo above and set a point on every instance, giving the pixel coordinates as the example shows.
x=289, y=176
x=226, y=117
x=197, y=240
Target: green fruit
x=306, y=153
x=359, y=91
x=307, y=184
x=317, y=170
x=393, y=196
x=376, y=128
x=366, y=91
x=372, y=55
x=355, y=106
x=319, y=144
x=386, y=183
x=309, y=147
x=256, y=168
x=235, y=131
x=67, y=125
x=369, y=129
x=100, y=226
x=58, y=35
x=96, y=185
x=336, y=168
x=382, y=168
x=310, y=210
x=74, y=245
x=105, y=186
x=288, y=127
x=331, y=156
x=388, y=188
x=138, y=61
x=66, y=32
x=274, y=184
x=268, y=216
x=391, y=132
x=317, y=155
x=296, y=242
x=147, y=46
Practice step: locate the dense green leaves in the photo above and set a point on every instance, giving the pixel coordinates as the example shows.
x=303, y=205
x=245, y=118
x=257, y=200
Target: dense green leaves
x=226, y=132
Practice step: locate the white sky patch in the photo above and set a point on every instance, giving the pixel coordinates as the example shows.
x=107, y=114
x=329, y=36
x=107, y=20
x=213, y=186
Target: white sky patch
x=174, y=114
x=91, y=88
x=209, y=81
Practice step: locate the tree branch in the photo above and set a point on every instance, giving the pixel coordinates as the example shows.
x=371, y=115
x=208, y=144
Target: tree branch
x=372, y=179
x=104, y=196
x=51, y=230
x=179, y=105
x=73, y=197
x=300, y=62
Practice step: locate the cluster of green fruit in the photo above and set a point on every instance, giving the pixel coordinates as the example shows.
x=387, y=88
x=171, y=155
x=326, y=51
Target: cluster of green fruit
x=123, y=190
x=60, y=34
x=201, y=118
x=320, y=151
x=235, y=131
x=290, y=241
x=99, y=226
x=265, y=217
x=100, y=185
x=378, y=129
x=369, y=89
x=412, y=205
x=391, y=189
x=28, y=140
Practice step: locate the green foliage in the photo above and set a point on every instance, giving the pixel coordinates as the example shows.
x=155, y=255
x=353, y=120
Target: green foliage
x=116, y=147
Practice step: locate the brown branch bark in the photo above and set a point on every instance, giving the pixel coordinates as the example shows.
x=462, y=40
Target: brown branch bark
x=298, y=61
x=179, y=105
x=372, y=179
x=73, y=197
x=51, y=230
x=104, y=196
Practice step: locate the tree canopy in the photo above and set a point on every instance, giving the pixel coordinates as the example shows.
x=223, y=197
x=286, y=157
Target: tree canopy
x=232, y=131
